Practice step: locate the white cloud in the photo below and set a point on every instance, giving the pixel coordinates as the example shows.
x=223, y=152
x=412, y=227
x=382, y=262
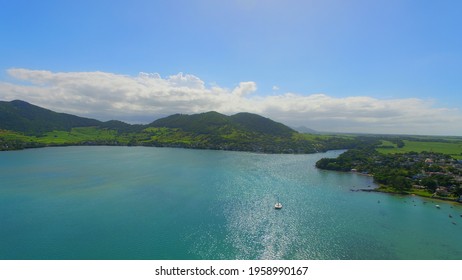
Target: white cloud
x=245, y=88
x=275, y=88
x=144, y=97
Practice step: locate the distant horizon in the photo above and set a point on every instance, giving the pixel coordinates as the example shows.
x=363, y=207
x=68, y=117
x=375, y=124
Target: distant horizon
x=379, y=67
x=296, y=128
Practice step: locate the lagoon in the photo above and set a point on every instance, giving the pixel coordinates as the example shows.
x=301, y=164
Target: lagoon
x=163, y=203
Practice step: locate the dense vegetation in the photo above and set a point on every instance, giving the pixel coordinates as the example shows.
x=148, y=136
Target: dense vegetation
x=421, y=171
x=23, y=125
x=29, y=119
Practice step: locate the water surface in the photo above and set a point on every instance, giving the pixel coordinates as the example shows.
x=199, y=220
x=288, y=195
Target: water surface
x=161, y=203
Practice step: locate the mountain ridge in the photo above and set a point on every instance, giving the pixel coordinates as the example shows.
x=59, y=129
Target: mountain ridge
x=21, y=116
x=18, y=115
x=211, y=121
x=24, y=125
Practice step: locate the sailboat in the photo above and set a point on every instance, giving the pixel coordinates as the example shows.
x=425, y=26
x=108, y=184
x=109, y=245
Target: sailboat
x=278, y=205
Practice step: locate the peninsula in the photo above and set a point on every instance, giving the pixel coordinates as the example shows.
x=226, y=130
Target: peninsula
x=425, y=173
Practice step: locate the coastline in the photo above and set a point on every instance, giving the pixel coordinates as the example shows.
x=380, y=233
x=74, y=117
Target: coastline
x=396, y=174
x=382, y=189
x=387, y=190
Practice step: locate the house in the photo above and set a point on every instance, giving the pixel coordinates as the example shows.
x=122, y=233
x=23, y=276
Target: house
x=442, y=191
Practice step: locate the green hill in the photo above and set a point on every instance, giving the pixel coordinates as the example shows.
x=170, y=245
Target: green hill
x=204, y=123
x=23, y=125
x=239, y=132
x=29, y=119
x=216, y=123
x=20, y=116
x=253, y=122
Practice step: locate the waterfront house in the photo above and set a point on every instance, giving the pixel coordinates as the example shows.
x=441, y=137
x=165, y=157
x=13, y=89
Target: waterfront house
x=442, y=191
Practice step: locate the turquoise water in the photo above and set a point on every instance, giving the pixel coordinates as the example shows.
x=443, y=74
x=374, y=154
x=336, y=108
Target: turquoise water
x=159, y=203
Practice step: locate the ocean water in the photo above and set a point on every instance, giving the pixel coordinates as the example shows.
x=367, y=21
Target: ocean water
x=162, y=203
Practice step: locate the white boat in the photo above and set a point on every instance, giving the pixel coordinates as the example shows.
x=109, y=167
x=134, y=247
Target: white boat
x=437, y=206
x=278, y=205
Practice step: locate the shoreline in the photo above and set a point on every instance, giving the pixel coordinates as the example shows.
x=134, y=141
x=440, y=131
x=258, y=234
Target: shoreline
x=447, y=199
x=381, y=189
x=38, y=145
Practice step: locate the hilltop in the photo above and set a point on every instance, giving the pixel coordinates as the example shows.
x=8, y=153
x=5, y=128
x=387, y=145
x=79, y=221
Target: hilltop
x=29, y=119
x=213, y=122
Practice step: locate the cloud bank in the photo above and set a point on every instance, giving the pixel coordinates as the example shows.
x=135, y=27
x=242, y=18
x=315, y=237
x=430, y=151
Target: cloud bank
x=143, y=98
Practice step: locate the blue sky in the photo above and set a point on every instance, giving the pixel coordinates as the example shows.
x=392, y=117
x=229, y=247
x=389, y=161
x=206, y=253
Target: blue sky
x=332, y=53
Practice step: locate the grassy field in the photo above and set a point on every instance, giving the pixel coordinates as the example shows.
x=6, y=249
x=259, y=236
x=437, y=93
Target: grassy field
x=453, y=148
x=77, y=135
x=386, y=143
x=168, y=135
x=10, y=135
x=88, y=135
x=320, y=137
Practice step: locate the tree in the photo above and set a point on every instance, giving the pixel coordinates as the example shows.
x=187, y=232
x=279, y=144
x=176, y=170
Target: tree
x=400, y=183
x=429, y=183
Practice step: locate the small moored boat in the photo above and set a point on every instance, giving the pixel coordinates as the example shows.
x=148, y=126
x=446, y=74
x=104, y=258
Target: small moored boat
x=278, y=205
